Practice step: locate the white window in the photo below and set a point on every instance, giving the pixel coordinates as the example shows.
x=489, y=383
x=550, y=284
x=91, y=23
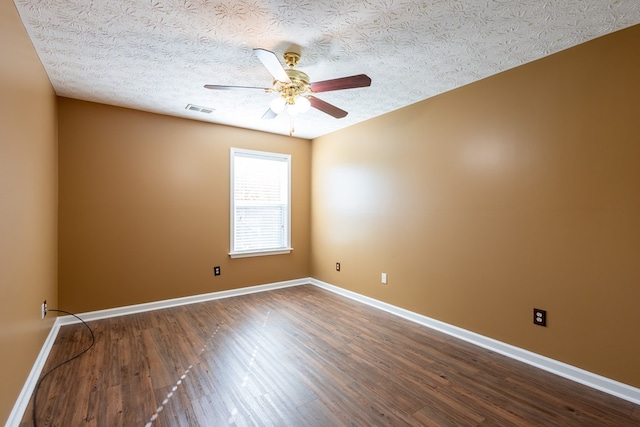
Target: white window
x=260, y=203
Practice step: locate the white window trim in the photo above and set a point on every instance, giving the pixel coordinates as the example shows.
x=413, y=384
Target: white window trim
x=252, y=253
x=247, y=254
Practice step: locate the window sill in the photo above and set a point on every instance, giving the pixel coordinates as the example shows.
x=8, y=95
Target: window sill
x=260, y=253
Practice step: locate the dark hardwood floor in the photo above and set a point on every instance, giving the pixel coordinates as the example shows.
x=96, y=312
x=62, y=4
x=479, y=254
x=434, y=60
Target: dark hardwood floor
x=299, y=356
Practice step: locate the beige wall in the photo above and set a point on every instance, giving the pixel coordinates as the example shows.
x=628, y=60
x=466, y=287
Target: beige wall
x=519, y=191
x=144, y=207
x=28, y=192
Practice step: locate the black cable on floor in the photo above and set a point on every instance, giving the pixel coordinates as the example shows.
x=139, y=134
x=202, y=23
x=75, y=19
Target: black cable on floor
x=35, y=393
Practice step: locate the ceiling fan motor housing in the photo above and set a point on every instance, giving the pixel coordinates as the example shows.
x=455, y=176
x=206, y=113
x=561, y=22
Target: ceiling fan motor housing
x=299, y=84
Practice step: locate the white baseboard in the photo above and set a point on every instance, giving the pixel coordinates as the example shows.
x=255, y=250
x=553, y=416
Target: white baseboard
x=174, y=302
x=598, y=382
x=615, y=388
x=30, y=384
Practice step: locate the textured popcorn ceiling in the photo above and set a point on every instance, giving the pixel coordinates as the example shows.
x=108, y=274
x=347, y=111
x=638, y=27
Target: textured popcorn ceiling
x=156, y=55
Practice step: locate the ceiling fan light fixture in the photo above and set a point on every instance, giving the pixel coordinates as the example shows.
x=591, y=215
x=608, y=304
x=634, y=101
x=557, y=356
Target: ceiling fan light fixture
x=298, y=105
x=302, y=104
x=292, y=110
x=278, y=104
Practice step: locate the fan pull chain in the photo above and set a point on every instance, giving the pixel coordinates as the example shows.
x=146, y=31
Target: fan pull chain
x=291, y=129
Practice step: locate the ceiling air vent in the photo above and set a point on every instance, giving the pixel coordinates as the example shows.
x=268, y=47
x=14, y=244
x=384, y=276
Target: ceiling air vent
x=199, y=109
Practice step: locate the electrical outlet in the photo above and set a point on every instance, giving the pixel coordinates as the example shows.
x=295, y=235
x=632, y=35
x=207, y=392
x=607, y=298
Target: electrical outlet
x=539, y=317
x=383, y=278
x=337, y=266
x=216, y=271
x=43, y=309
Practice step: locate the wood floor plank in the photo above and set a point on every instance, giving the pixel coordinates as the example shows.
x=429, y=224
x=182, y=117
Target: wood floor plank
x=317, y=414
x=299, y=356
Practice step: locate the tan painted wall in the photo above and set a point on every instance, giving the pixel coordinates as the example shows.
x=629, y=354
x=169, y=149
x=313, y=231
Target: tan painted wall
x=519, y=191
x=28, y=205
x=144, y=207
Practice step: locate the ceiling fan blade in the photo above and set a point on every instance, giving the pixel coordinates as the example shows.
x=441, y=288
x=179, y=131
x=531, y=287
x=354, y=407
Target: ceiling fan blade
x=270, y=61
x=359, y=80
x=269, y=114
x=223, y=87
x=325, y=107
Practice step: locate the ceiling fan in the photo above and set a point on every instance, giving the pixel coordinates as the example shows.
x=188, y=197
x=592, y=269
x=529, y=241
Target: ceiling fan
x=295, y=89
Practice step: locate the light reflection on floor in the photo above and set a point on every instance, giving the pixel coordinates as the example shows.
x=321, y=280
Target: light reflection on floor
x=248, y=373
x=179, y=382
